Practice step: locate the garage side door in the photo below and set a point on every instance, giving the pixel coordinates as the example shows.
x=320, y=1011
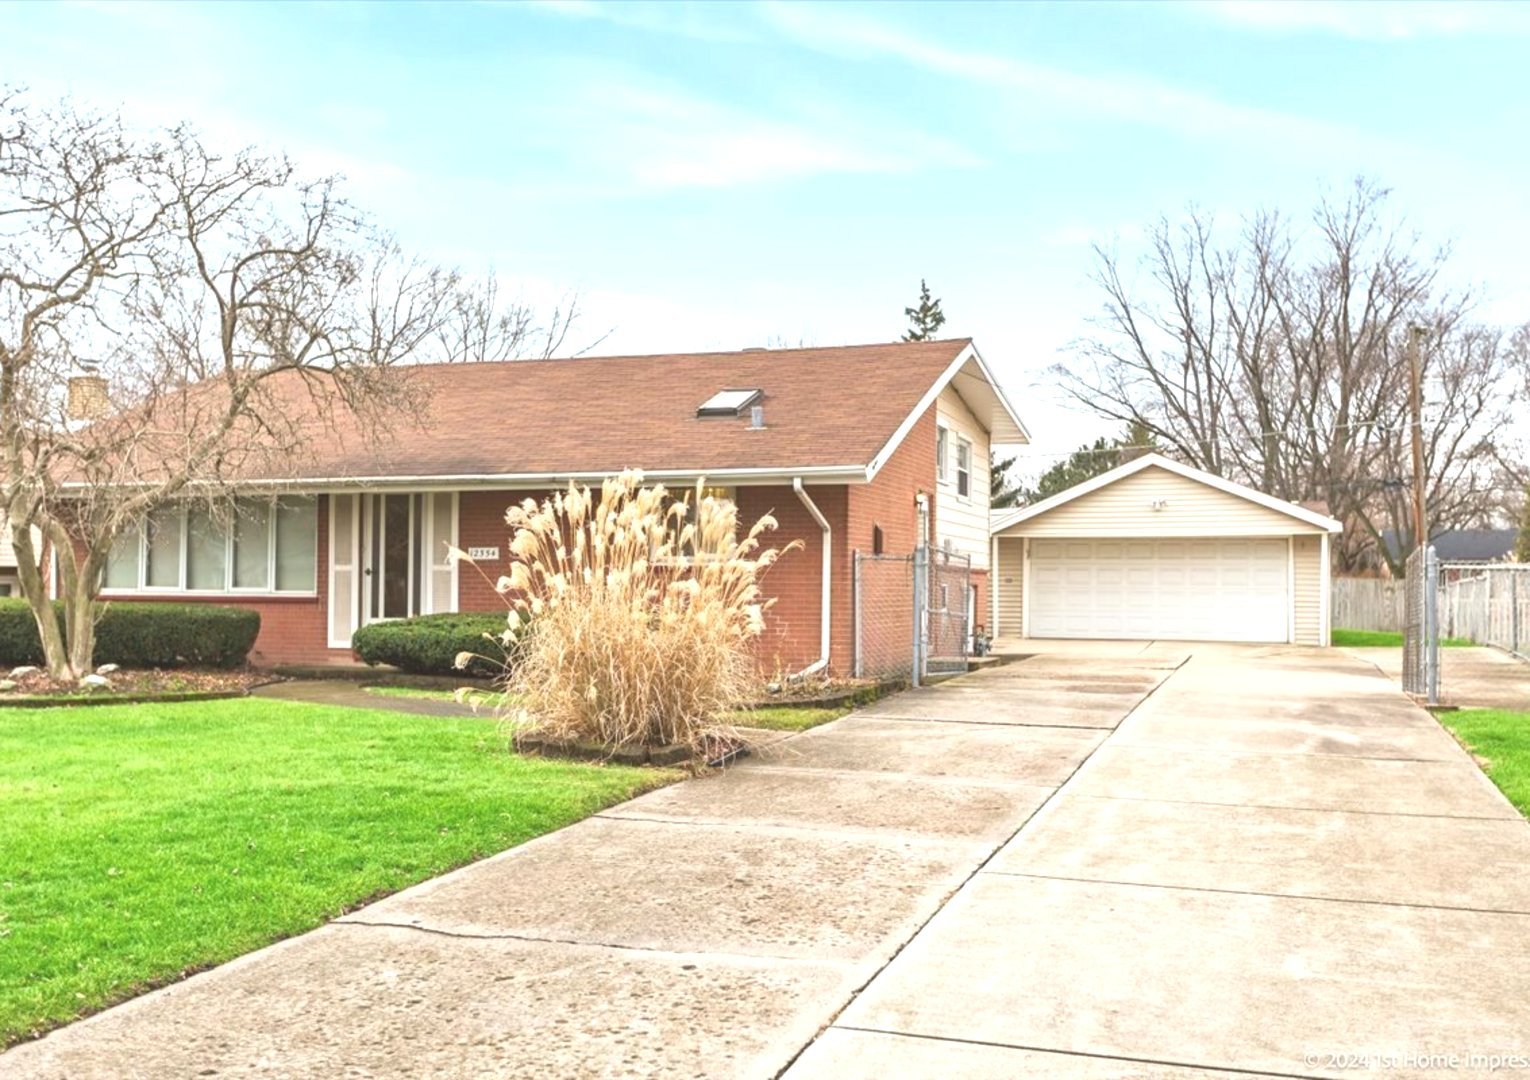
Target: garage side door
x=1183, y=589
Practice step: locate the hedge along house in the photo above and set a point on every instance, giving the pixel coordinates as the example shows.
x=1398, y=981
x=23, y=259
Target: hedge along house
x=867, y=448
x=1156, y=549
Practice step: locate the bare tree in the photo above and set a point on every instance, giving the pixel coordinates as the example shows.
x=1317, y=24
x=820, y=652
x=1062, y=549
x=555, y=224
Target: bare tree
x=209, y=293
x=1278, y=360
x=484, y=325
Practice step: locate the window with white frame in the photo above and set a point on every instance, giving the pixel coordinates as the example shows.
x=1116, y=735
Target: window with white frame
x=942, y=453
x=963, y=467
x=258, y=545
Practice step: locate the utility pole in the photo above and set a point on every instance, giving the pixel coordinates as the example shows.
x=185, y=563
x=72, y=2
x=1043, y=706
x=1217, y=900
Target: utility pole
x=1416, y=404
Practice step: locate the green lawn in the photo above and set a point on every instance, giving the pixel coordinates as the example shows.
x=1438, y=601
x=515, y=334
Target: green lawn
x=1382, y=639
x=1501, y=741
x=138, y=843
x=785, y=718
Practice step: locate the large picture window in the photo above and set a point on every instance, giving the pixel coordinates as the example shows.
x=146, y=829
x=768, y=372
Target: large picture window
x=258, y=545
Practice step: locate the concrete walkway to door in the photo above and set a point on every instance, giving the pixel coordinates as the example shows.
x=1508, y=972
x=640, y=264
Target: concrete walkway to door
x=1133, y=860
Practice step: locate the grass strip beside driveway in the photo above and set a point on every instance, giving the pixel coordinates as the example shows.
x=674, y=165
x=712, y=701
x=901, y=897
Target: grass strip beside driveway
x=1383, y=639
x=1500, y=740
x=140, y=843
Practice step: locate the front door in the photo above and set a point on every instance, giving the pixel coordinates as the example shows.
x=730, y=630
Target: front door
x=390, y=529
x=390, y=558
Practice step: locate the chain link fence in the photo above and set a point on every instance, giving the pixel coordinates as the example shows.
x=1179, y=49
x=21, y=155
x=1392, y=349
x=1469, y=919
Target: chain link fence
x=884, y=616
x=912, y=615
x=1487, y=604
x=1421, y=626
x=948, y=617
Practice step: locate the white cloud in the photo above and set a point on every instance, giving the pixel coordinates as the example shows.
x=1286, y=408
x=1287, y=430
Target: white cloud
x=663, y=139
x=1378, y=20
x=700, y=22
x=1129, y=98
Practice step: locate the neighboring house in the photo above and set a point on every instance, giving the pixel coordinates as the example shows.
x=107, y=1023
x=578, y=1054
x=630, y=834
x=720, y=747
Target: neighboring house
x=855, y=448
x=1156, y=549
x=1464, y=545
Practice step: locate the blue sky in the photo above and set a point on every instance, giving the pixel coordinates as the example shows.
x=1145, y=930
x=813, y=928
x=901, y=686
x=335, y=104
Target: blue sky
x=732, y=175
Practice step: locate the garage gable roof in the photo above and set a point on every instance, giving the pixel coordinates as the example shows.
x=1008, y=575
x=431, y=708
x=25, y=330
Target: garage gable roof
x=1131, y=468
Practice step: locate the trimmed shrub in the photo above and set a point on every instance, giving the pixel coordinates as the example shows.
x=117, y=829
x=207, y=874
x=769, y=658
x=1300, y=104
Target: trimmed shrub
x=429, y=644
x=143, y=635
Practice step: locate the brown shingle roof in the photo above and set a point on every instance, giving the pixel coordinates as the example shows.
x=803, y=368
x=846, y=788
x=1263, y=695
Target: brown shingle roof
x=823, y=407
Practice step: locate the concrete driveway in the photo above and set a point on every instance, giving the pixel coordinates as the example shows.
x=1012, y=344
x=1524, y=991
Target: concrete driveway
x=1276, y=864
x=1133, y=860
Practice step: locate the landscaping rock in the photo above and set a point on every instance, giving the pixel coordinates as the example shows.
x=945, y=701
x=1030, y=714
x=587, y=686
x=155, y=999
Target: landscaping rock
x=24, y=670
x=96, y=682
x=107, y=669
x=7, y=685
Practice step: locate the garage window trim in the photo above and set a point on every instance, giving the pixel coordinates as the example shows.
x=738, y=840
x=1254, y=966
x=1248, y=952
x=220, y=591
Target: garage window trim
x=260, y=547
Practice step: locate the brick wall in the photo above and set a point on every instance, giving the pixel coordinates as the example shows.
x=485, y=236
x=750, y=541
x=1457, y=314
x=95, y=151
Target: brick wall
x=889, y=502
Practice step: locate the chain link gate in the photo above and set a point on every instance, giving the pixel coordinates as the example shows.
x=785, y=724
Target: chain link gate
x=912, y=615
x=1421, y=626
x=948, y=614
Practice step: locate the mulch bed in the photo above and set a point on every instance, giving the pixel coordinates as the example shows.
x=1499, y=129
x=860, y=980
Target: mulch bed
x=132, y=685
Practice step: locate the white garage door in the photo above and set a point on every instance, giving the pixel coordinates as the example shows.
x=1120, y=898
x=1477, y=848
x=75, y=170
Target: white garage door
x=1188, y=590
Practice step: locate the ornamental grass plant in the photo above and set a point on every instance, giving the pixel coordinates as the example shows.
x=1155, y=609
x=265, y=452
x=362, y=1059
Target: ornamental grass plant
x=642, y=609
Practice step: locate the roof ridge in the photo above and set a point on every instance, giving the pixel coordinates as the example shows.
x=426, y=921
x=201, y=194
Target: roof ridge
x=963, y=342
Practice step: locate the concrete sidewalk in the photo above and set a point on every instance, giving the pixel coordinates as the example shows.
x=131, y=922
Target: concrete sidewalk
x=711, y=928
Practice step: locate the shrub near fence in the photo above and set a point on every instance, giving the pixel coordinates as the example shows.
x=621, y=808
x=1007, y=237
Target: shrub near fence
x=143, y=635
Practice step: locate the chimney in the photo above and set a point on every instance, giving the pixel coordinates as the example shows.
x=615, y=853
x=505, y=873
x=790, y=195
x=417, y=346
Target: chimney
x=756, y=417
x=88, y=398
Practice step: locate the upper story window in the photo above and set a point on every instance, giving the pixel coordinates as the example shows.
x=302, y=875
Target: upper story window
x=942, y=454
x=258, y=546
x=963, y=467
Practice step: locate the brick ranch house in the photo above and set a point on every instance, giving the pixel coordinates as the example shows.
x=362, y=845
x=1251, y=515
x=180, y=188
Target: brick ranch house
x=854, y=448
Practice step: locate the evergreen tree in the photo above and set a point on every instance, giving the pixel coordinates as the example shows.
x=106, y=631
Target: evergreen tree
x=1090, y=461
x=924, y=321
x=1522, y=545
x=1002, y=493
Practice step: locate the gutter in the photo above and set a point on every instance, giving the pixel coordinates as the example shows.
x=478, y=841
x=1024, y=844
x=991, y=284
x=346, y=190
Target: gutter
x=823, y=604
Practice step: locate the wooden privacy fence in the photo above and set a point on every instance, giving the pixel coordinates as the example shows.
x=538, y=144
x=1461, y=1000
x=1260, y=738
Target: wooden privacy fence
x=1369, y=603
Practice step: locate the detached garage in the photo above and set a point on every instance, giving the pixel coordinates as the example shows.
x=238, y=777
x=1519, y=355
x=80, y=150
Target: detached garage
x=1156, y=549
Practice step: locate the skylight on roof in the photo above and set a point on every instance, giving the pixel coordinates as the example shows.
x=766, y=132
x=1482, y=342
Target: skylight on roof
x=728, y=402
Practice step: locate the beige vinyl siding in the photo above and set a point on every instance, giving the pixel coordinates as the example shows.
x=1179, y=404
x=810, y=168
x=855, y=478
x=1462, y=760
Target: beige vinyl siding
x=962, y=521
x=1307, y=567
x=1009, y=587
x=1125, y=508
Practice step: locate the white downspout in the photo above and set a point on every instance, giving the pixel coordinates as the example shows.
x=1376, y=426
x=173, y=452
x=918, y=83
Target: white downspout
x=828, y=570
